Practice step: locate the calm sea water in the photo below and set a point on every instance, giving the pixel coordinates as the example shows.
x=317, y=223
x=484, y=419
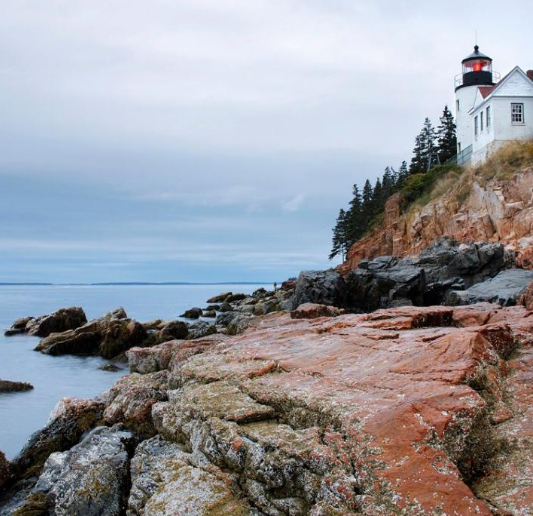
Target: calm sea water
x=58, y=377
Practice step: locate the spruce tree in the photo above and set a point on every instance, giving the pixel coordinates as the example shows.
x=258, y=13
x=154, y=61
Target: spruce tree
x=355, y=227
x=340, y=243
x=425, y=149
x=377, y=199
x=447, y=136
x=403, y=173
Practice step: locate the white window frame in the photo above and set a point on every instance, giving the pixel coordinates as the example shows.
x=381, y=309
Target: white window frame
x=481, y=121
x=487, y=117
x=517, y=113
x=476, y=126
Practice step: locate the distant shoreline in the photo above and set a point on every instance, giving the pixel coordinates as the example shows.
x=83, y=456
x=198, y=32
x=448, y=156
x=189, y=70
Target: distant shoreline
x=134, y=283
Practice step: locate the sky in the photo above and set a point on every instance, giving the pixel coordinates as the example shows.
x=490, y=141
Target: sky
x=200, y=140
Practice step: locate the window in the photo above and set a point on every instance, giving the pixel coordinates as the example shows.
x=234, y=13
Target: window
x=475, y=126
x=459, y=148
x=517, y=113
x=481, y=121
x=488, y=117
x=457, y=105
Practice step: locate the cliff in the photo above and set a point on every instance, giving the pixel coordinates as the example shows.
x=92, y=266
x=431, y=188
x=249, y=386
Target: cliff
x=490, y=203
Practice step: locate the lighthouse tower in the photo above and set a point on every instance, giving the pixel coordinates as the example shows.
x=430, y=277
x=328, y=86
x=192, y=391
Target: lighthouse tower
x=477, y=71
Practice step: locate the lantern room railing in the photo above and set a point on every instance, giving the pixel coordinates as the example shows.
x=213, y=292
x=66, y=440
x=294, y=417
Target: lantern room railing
x=459, y=79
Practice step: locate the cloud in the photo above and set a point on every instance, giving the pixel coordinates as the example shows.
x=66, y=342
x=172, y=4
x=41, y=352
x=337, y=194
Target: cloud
x=293, y=204
x=197, y=135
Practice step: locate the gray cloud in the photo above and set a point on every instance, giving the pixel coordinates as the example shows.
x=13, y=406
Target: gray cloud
x=262, y=111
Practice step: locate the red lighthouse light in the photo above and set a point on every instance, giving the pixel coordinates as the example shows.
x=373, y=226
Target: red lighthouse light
x=477, y=66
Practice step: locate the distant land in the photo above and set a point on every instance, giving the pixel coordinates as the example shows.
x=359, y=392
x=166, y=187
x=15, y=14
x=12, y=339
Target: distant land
x=131, y=283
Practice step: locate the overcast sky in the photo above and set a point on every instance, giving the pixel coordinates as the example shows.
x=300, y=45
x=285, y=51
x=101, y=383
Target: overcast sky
x=209, y=140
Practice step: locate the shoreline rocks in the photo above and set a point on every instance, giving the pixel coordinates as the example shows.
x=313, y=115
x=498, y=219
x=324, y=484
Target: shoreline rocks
x=59, y=321
x=8, y=386
x=424, y=407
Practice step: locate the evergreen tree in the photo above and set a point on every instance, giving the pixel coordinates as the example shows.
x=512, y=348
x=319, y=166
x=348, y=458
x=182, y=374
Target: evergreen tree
x=340, y=237
x=377, y=199
x=447, y=136
x=403, y=173
x=388, y=183
x=425, y=149
x=355, y=227
x=417, y=161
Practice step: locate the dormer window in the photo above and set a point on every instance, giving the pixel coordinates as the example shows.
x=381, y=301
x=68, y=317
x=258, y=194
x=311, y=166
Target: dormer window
x=517, y=113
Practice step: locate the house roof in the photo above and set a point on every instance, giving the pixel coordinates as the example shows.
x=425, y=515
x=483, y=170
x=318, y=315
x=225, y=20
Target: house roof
x=486, y=90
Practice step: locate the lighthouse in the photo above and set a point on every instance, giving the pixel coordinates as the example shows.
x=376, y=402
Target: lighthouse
x=477, y=71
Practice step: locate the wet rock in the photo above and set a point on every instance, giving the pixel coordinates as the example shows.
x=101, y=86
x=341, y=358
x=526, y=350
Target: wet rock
x=5, y=470
x=59, y=321
x=225, y=318
x=210, y=314
x=201, y=329
x=90, y=479
x=225, y=307
x=220, y=297
x=84, y=341
x=8, y=386
x=235, y=297
x=70, y=419
x=117, y=313
x=192, y=313
x=505, y=289
x=174, y=330
x=108, y=336
x=313, y=311
x=112, y=368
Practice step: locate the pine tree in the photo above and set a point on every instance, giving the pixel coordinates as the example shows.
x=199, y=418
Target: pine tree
x=388, y=183
x=377, y=199
x=340, y=240
x=447, y=136
x=355, y=227
x=417, y=161
x=403, y=173
x=425, y=149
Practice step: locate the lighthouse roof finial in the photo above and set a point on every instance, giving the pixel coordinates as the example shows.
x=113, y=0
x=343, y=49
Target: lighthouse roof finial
x=476, y=54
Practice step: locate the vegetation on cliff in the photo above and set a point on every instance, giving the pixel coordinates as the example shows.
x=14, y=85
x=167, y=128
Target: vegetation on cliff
x=432, y=147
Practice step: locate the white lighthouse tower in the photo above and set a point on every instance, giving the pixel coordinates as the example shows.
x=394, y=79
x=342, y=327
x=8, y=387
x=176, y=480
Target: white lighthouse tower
x=477, y=71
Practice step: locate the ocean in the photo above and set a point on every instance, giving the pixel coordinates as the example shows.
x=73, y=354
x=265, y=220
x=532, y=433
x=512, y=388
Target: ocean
x=54, y=378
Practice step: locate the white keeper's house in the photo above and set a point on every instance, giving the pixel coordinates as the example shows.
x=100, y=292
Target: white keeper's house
x=490, y=111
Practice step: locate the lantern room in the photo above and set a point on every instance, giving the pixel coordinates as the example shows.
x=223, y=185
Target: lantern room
x=477, y=70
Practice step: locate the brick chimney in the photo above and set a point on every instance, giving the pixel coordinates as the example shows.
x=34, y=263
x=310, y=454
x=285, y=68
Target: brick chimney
x=530, y=74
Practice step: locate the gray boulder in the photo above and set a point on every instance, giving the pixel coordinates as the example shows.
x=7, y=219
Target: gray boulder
x=173, y=330
x=319, y=287
x=192, y=313
x=201, y=329
x=91, y=479
x=71, y=418
x=504, y=289
x=59, y=321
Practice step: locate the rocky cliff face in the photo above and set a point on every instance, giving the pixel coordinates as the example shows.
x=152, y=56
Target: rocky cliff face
x=407, y=411
x=498, y=211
